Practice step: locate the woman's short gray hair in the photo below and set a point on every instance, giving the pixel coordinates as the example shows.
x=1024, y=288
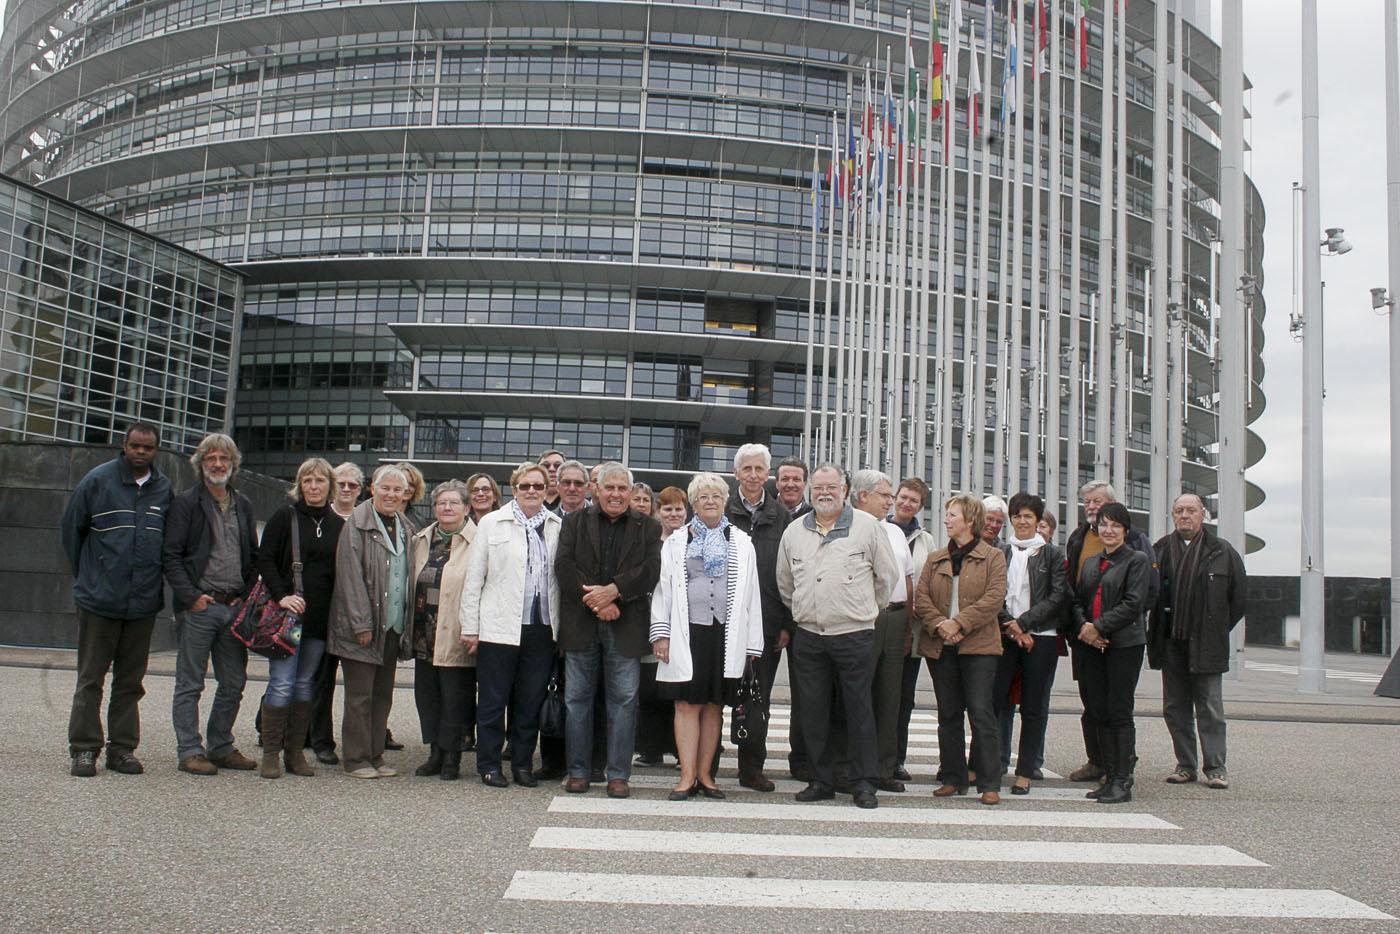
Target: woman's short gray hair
x=706, y=480
x=385, y=470
x=451, y=486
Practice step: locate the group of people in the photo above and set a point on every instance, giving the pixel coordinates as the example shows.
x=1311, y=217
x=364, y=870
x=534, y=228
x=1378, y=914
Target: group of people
x=646, y=612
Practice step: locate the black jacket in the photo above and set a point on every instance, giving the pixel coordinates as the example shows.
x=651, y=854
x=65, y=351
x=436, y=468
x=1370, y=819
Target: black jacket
x=1219, y=598
x=189, y=538
x=765, y=529
x=1136, y=539
x=274, y=561
x=638, y=569
x=1126, y=586
x=1049, y=590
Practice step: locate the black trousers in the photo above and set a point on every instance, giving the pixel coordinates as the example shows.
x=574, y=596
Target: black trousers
x=798, y=760
x=438, y=693
x=323, y=704
x=963, y=686
x=1093, y=752
x=656, y=718
x=753, y=752
x=1037, y=668
x=123, y=647
x=908, y=689
x=513, y=678
x=552, y=747
x=823, y=662
x=1109, y=681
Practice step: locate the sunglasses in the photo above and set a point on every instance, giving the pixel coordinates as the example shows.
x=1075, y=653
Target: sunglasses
x=527, y=487
x=348, y=485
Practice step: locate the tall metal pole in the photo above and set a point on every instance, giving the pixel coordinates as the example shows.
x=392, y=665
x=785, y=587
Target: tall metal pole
x=1312, y=674
x=1234, y=304
x=1158, y=521
x=1392, y=201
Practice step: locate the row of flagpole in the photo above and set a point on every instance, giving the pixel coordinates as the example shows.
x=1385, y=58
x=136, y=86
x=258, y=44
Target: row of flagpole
x=915, y=367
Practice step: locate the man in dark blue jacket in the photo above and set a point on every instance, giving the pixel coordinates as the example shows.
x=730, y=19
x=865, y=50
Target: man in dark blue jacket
x=209, y=545
x=112, y=529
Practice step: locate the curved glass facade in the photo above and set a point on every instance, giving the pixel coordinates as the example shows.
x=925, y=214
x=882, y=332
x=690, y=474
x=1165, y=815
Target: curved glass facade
x=474, y=229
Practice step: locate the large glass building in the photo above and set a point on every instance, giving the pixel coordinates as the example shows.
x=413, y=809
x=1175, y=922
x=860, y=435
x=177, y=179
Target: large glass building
x=102, y=325
x=473, y=229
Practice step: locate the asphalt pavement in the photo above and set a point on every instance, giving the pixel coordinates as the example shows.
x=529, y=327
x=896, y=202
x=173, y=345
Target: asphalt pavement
x=1303, y=840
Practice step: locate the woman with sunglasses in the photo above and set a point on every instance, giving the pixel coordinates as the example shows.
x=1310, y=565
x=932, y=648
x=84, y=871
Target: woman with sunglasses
x=510, y=617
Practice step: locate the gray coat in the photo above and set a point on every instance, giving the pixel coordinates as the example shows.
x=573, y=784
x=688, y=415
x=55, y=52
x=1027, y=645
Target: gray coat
x=361, y=588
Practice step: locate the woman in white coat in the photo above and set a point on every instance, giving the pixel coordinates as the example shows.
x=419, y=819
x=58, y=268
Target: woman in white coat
x=706, y=620
x=510, y=617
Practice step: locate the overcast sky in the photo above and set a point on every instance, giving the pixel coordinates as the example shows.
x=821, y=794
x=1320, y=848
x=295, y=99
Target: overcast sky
x=1357, y=443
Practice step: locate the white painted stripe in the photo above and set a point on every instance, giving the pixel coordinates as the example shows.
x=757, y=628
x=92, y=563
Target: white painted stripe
x=727, y=893
x=896, y=848
x=1039, y=793
x=1102, y=819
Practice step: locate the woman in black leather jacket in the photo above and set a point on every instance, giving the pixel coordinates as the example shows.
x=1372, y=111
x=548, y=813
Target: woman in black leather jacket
x=1109, y=615
x=1037, y=595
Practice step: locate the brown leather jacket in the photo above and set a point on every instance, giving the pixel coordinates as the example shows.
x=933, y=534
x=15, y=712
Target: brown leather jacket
x=981, y=593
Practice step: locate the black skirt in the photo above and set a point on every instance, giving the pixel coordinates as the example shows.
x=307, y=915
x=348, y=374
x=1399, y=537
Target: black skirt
x=707, y=684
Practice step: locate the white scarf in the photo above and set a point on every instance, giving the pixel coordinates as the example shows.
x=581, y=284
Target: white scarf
x=1018, y=580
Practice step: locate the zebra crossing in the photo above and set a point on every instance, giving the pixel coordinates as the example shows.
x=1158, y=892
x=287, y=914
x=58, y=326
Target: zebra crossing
x=764, y=851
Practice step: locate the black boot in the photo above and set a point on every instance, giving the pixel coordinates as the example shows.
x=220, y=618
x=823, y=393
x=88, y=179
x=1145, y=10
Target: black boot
x=434, y=764
x=451, y=765
x=1120, y=786
x=1106, y=755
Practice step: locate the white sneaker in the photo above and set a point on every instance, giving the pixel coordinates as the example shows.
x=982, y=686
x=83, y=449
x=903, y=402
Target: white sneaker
x=1217, y=781
x=383, y=771
x=364, y=771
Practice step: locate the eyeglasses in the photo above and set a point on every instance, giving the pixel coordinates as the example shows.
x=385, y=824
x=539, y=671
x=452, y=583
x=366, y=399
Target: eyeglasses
x=483, y=489
x=573, y=483
x=528, y=487
x=826, y=488
x=710, y=497
x=347, y=485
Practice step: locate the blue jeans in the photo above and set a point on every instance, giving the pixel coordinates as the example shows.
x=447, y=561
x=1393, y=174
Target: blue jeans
x=621, y=677
x=202, y=636
x=294, y=678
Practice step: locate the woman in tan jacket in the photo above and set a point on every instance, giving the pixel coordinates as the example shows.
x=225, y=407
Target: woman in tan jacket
x=444, y=673
x=960, y=593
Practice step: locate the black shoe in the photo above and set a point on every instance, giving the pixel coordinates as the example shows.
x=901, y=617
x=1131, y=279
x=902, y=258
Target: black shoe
x=451, y=766
x=711, y=792
x=596, y=775
x=901, y=773
x=390, y=742
x=815, y=792
x=550, y=773
x=891, y=784
x=434, y=764
x=494, y=779
x=84, y=764
x=469, y=744
x=327, y=757
x=1038, y=776
x=650, y=762
x=524, y=778
x=125, y=763
x=866, y=799
x=684, y=794
x=1117, y=791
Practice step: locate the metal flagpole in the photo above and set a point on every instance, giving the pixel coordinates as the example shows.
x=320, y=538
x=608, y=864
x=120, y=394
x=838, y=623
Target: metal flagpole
x=812, y=295
x=970, y=391
x=1010, y=109
x=1123, y=411
x=824, y=435
x=1076, y=225
x=1036, y=321
x=1103, y=379
x=1176, y=317
x=860, y=284
x=946, y=257
x=1055, y=269
x=977, y=296
x=838, y=423
x=1392, y=190
x=1161, y=279
x=1015, y=401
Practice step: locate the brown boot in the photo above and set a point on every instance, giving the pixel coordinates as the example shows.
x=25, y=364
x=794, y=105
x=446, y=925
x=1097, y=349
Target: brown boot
x=293, y=753
x=274, y=728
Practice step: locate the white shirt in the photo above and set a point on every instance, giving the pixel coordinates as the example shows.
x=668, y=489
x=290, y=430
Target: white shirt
x=900, y=546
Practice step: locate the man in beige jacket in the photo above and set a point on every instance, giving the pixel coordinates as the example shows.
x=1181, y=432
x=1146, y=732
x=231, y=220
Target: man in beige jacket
x=836, y=572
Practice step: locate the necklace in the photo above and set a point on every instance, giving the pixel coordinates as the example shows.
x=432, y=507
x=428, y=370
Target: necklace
x=318, y=524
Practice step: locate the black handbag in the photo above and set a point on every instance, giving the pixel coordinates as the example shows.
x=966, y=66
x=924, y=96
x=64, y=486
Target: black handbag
x=552, y=710
x=750, y=714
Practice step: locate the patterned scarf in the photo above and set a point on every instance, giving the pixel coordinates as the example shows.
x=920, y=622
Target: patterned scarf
x=537, y=556
x=709, y=545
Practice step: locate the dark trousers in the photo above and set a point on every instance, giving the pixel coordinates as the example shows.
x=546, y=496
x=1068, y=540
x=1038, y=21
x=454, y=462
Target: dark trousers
x=513, y=678
x=1093, y=753
x=908, y=690
x=1109, y=680
x=887, y=676
x=1190, y=701
x=369, y=696
x=798, y=760
x=438, y=693
x=552, y=754
x=656, y=718
x=1037, y=668
x=963, y=686
x=322, y=731
x=122, y=646
x=753, y=752
x=822, y=663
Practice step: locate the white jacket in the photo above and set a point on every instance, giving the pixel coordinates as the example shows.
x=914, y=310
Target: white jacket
x=670, y=607
x=493, y=597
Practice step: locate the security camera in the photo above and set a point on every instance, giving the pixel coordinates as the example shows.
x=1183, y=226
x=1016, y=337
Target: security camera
x=1379, y=299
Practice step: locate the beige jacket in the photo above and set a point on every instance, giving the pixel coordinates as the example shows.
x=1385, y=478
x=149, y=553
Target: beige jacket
x=837, y=583
x=981, y=593
x=448, y=650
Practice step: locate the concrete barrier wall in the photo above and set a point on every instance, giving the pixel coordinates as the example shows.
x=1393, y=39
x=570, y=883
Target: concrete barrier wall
x=36, y=479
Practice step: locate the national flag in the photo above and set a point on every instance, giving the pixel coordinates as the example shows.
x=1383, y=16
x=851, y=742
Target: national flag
x=816, y=186
x=935, y=64
x=1043, y=32
x=1011, y=78
x=974, y=91
x=1084, y=35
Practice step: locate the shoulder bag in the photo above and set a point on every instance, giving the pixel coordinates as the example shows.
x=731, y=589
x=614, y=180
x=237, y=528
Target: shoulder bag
x=264, y=625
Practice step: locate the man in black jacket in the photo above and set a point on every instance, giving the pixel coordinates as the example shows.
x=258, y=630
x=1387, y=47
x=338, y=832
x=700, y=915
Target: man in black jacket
x=1201, y=599
x=764, y=518
x=1084, y=544
x=210, y=539
x=608, y=562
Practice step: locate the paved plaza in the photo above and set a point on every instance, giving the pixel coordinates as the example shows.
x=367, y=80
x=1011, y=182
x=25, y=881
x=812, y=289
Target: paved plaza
x=1303, y=840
